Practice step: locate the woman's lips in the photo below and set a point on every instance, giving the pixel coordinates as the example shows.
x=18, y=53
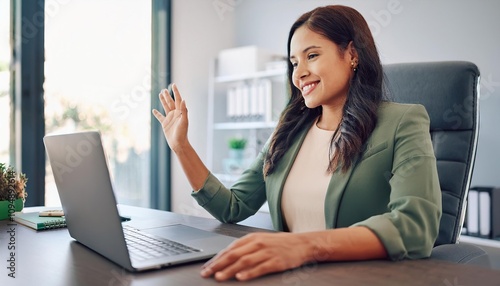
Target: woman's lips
x=309, y=87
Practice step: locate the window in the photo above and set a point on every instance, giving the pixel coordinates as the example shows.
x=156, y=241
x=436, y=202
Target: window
x=5, y=106
x=98, y=76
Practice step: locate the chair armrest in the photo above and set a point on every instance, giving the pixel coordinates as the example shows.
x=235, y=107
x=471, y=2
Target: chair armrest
x=462, y=253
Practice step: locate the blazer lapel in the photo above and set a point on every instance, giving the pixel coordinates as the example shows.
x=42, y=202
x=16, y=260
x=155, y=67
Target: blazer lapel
x=276, y=181
x=334, y=193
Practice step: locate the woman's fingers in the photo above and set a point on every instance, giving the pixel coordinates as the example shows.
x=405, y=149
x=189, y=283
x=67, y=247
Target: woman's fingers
x=249, y=265
x=243, y=264
x=166, y=101
x=267, y=266
x=163, y=101
x=177, y=96
x=241, y=254
x=158, y=115
x=183, y=107
x=173, y=109
x=228, y=255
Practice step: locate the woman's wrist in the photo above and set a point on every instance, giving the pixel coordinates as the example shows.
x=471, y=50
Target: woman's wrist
x=314, y=246
x=182, y=147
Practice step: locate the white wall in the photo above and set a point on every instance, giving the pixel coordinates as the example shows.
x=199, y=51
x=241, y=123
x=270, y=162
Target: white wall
x=405, y=31
x=409, y=31
x=199, y=32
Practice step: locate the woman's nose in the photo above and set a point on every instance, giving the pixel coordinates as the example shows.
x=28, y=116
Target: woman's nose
x=301, y=71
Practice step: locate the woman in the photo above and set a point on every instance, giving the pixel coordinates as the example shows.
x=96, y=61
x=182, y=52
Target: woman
x=347, y=175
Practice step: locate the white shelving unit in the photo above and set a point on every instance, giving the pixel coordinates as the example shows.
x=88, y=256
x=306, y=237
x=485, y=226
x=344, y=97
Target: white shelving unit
x=480, y=241
x=255, y=123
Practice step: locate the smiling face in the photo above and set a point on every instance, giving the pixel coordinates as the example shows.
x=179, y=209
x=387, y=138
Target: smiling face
x=321, y=71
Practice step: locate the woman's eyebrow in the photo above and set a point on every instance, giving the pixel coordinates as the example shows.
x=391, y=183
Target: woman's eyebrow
x=305, y=50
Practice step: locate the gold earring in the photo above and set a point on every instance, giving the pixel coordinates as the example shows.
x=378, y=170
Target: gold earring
x=354, y=69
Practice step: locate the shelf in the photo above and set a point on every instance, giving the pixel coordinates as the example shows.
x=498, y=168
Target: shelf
x=248, y=103
x=480, y=241
x=260, y=74
x=244, y=125
x=226, y=179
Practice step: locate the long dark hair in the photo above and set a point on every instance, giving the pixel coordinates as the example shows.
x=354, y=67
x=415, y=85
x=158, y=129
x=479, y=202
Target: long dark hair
x=341, y=25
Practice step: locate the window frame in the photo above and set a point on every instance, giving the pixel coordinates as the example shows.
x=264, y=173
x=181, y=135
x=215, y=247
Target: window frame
x=28, y=152
x=27, y=123
x=160, y=69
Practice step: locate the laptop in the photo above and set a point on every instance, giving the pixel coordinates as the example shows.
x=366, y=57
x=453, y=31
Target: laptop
x=85, y=188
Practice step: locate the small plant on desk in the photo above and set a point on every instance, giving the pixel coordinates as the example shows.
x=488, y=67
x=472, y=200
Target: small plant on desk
x=12, y=191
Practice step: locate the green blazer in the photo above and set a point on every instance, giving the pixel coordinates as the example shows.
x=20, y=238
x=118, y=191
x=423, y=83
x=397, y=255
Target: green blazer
x=392, y=189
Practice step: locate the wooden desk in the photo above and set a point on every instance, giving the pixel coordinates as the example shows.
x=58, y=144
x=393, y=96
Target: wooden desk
x=52, y=257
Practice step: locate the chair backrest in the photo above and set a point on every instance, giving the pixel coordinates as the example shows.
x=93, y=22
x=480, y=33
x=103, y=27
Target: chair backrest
x=449, y=92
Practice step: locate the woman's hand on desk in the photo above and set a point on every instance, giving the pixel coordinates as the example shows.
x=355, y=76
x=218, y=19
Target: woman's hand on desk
x=258, y=254
x=175, y=121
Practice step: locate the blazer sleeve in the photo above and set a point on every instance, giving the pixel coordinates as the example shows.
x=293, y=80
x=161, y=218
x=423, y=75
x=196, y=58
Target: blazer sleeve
x=245, y=197
x=411, y=226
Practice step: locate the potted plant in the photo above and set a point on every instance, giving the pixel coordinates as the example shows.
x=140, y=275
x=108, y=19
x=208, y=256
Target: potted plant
x=237, y=143
x=237, y=147
x=235, y=163
x=12, y=191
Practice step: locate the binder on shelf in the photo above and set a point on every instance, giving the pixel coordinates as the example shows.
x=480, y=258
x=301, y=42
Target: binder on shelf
x=483, y=213
x=473, y=213
x=231, y=102
x=239, y=102
x=247, y=102
x=254, y=101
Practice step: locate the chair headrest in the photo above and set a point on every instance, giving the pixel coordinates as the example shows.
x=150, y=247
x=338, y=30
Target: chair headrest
x=446, y=89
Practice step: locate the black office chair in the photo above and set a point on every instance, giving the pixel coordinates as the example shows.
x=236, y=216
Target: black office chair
x=449, y=92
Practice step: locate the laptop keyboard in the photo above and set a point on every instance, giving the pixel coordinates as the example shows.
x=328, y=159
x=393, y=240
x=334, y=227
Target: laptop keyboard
x=144, y=246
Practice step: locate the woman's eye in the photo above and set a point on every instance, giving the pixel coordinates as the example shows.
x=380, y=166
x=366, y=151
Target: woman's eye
x=311, y=56
x=294, y=65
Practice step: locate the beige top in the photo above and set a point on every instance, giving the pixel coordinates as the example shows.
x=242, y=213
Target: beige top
x=303, y=197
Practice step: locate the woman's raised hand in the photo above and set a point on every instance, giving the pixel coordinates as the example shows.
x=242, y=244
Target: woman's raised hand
x=175, y=121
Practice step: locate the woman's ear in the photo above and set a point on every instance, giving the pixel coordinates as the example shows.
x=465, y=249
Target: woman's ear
x=353, y=53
